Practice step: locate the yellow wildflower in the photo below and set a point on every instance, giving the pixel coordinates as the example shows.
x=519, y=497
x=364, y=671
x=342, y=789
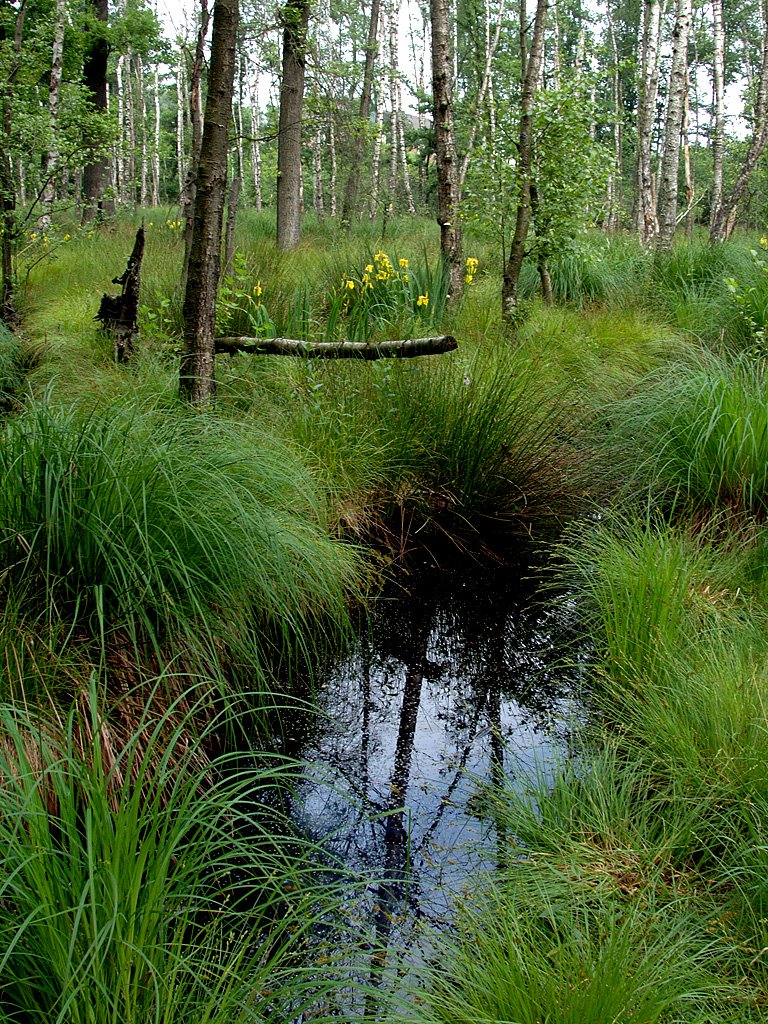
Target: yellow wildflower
x=472, y=265
x=369, y=268
x=257, y=289
x=351, y=285
x=405, y=279
x=468, y=279
x=764, y=241
x=403, y=264
x=423, y=300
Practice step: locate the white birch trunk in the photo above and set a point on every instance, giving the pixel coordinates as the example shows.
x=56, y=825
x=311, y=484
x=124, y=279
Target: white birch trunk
x=333, y=184
x=50, y=162
x=156, y=147
x=718, y=83
x=646, y=222
x=181, y=100
x=673, y=125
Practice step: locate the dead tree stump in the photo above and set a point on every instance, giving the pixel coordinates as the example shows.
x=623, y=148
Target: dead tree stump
x=119, y=314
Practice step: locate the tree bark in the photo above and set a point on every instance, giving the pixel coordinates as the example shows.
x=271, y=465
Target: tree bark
x=509, y=307
x=189, y=192
x=197, y=382
x=670, y=163
x=723, y=222
x=295, y=18
x=403, y=349
x=95, y=81
x=349, y=205
x=718, y=81
x=50, y=161
x=7, y=188
x=646, y=222
x=448, y=187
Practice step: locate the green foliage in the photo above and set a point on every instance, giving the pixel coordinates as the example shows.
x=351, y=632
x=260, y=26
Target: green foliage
x=14, y=363
x=191, y=532
x=142, y=883
x=698, y=430
x=533, y=947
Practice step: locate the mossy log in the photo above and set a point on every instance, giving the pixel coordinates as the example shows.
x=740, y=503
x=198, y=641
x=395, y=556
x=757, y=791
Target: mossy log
x=403, y=349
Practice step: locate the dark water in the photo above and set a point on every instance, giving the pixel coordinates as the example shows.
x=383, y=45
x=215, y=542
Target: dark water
x=453, y=684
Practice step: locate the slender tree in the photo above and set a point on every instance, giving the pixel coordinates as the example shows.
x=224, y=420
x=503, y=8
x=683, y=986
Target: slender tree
x=723, y=220
x=349, y=205
x=670, y=163
x=718, y=83
x=295, y=18
x=448, y=187
x=646, y=222
x=197, y=378
x=96, y=170
x=532, y=65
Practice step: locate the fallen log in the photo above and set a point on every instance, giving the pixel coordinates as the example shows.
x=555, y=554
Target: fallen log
x=404, y=349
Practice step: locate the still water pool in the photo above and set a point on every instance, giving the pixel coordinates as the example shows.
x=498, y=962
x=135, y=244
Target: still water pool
x=457, y=680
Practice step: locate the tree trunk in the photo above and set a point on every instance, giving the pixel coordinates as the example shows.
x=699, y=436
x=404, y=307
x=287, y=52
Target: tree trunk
x=7, y=187
x=156, y=147
x=295, y=18
x=373, y=204
x=197, y=382
x=349, y=206
x=189, y=192
x=613, y=217
x=509, y=307
x=50, y=161
x=181, y=93
x=255, y=144
x=491, y=45
x=95, y=82
x=406, y=349
x=448, y=188
x=670, y=163
x=333, y=182
x=646, y=223
x=725, y=218
x=718, y=81
x=120, y=313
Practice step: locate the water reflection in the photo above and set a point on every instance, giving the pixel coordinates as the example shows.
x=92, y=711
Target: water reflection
x=458, y=681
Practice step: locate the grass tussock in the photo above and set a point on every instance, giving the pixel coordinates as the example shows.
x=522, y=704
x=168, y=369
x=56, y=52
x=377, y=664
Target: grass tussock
x=697, y=433
x=182, y=531
x=155, y=885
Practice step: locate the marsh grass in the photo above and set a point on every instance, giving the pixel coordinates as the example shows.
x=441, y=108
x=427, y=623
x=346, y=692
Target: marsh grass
x=183, y=531
x=535, y=947
x=697, y=433
x=153, y=885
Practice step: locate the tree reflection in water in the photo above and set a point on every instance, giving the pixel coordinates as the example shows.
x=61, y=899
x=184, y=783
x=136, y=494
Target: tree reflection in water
x=459, y=683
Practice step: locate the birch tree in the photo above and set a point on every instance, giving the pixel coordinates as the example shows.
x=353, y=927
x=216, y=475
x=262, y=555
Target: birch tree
x=673, y=125
x=646, y=222
x=723, y=220
x=718, y=87
x=448, y=188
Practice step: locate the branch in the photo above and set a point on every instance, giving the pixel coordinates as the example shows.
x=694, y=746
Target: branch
x=405, y=349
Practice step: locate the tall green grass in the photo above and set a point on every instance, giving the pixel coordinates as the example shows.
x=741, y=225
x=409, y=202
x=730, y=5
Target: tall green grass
x=206, y=539
x=148, y=884
x=697, y=431
x=535, y=947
